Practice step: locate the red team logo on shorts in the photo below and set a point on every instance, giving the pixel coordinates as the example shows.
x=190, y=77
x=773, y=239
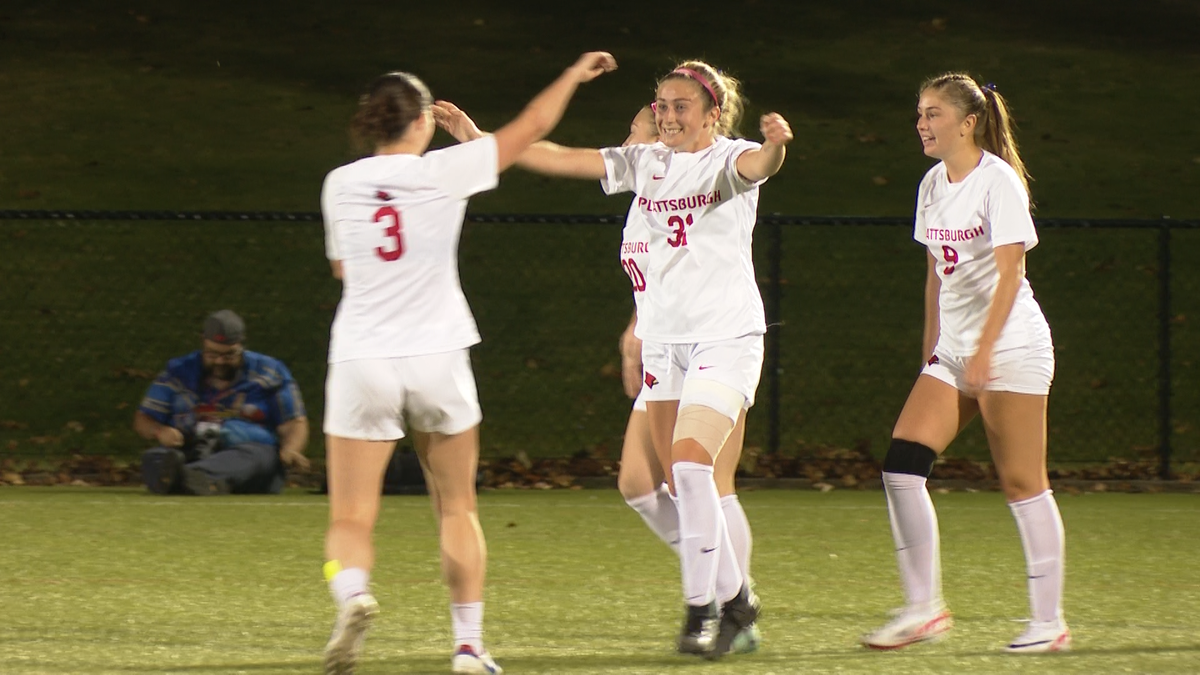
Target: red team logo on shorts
x=651, y=380
x=933, y=361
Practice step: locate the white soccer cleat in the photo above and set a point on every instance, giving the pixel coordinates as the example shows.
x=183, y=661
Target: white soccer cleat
x=349, y=633
x=467, y=661
x=1042, y=637
x=911, y=625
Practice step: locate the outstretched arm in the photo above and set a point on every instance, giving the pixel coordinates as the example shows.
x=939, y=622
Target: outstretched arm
x=557, y=160
x=756, y=165
x=541, y=157
x=538, y=118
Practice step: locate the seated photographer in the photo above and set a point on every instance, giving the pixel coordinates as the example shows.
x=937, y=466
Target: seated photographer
x=226, y=420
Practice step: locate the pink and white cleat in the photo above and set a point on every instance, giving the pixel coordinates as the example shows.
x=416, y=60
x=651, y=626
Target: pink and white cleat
x=911, y=625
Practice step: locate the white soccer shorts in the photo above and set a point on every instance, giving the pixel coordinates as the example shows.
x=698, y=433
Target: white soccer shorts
x=735, y=363
x=370, y=399
x=1021, y=370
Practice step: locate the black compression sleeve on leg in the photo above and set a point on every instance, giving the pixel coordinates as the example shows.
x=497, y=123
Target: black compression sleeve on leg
x=909, y=457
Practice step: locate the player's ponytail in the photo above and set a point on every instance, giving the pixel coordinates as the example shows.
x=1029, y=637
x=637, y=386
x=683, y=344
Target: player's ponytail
x=390, y=104
x=995, y=132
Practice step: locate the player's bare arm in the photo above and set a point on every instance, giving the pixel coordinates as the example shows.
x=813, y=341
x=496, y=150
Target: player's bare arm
x=933, y=289
x=631, y=359
x=1010, y=263
x=552, y=159
x=755, y=165
x=546, y=109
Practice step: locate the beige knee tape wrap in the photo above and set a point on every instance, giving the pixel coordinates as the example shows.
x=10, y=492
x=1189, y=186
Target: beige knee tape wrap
x=704, y=425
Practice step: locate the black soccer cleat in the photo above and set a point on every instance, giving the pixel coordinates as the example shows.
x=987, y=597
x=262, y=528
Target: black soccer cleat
x=699, y=629
x=736, y=616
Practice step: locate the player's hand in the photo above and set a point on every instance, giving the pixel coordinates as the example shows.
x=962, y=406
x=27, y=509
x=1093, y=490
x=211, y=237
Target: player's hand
x=631, y=363
x=453, y=120
x=593, y=64
x=293, y=459
x=775, y=129
x=978, y=370
x=169, y=437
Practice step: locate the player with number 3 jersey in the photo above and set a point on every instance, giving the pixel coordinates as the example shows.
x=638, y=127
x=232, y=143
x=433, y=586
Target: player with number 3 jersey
x=398, y=346
x=987, y=351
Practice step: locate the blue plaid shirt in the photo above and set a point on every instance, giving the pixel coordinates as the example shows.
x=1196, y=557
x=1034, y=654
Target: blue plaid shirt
x=262, y=397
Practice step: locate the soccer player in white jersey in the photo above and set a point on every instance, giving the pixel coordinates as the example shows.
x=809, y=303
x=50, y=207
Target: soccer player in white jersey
x=399, y=341
x=701, y=317
x=642, y=478
x=988, y=351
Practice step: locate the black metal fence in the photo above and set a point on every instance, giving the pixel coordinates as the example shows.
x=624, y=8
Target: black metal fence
x=93, y=303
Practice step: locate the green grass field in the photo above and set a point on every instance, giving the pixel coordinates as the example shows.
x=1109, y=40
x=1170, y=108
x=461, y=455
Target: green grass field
x=116, y=581
x=228, y=106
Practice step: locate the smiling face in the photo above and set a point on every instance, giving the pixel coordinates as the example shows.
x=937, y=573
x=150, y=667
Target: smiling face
x=642, y=130
x=685, y=115
x=942, y=127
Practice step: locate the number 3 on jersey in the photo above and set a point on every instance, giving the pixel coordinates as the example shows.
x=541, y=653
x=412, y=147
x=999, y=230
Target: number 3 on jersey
x=392, y=232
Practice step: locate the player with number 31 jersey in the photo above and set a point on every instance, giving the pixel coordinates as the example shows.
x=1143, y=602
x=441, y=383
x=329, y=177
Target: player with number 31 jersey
x=700, y=315
x=700, y=213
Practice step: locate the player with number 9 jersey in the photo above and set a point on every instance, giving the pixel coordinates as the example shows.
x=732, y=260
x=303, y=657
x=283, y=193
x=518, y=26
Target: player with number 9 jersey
x=987, y=352
x=962, y=224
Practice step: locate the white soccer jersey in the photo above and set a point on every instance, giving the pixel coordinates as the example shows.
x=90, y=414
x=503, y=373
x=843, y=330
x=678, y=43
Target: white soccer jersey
x=962, y=224
x=700, y=213
x=394, y=222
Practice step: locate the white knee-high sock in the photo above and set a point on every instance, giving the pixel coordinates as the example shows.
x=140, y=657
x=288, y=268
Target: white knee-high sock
x=915, y=531
x=739, y=532
x=1044, y=540
x=347, y=583
x=729, y=573
x=660, y=513
x=700, y=530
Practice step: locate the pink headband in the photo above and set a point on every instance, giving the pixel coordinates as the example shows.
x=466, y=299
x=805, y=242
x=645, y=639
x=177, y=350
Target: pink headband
x=702, y=80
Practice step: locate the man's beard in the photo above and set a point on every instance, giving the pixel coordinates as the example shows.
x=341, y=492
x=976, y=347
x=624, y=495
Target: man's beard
x=222, y=371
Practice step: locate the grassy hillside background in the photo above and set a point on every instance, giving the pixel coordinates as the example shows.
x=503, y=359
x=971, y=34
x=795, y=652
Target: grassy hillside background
x=228, y=106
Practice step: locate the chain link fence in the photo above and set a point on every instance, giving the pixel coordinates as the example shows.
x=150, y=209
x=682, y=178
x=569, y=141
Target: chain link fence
x=93, y=305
